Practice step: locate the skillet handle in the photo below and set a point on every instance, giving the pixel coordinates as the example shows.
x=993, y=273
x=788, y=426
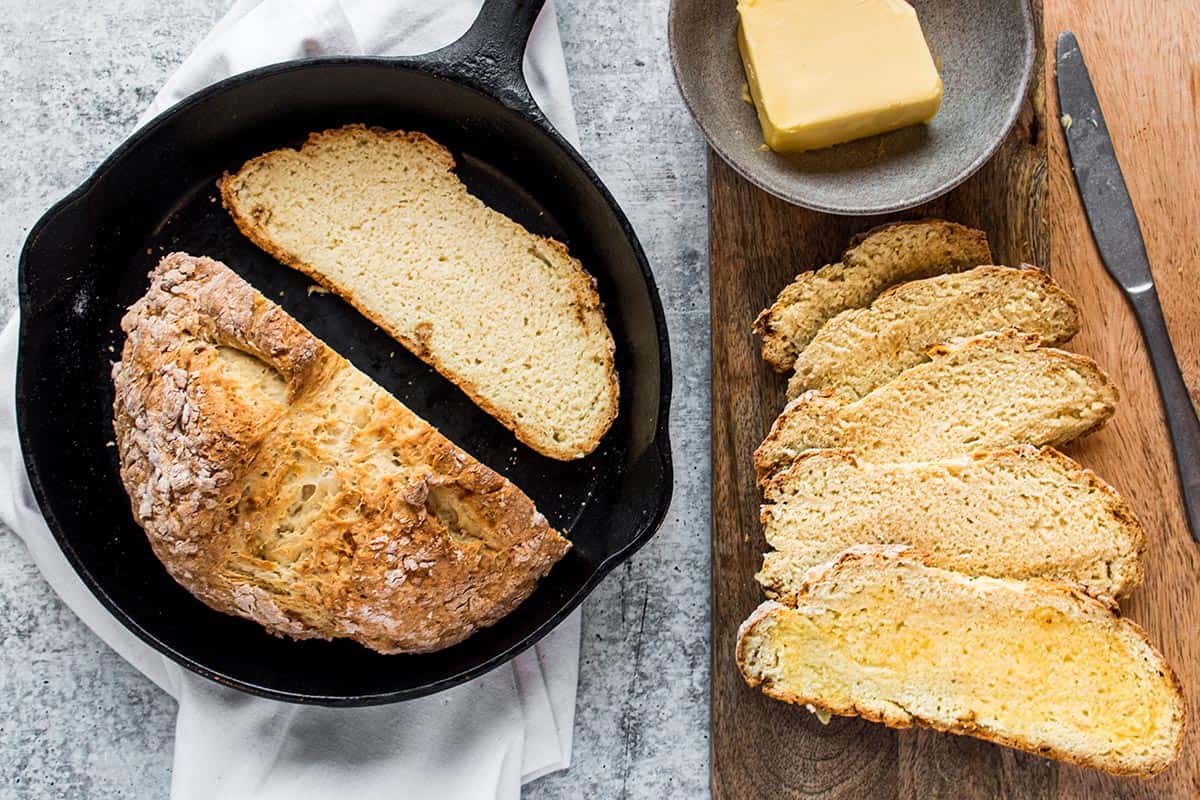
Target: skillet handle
x=489, y=55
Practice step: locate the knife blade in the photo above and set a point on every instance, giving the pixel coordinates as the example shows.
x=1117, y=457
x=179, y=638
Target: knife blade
x=1118, y=237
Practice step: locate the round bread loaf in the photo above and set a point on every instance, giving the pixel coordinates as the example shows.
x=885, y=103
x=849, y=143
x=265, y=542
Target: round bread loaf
x=278, y=483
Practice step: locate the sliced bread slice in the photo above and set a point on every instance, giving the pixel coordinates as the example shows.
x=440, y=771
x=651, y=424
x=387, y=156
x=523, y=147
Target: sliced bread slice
x=1036, y=665
x=380, y=218
x=983, y=392
x=876, y=260
x=862, y=348
x=1019, y=512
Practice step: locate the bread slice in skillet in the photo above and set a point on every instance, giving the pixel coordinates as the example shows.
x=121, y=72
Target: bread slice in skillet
x=380, y=218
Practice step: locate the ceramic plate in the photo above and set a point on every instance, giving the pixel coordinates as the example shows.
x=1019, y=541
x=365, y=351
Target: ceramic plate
x=986, y=51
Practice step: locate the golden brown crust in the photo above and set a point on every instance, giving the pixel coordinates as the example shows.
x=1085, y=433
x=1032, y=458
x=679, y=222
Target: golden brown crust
x=324, y=509
x=881, y=555
x=587, y=305
x=777, y=349
x=977, y=239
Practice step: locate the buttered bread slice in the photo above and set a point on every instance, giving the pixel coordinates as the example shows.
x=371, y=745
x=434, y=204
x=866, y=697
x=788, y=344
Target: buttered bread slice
x=1036, y=665
x=983, y=392
x=1019, y=512
x=862, y=348
x=278, y=483
x=876, y=260
x=380, y=218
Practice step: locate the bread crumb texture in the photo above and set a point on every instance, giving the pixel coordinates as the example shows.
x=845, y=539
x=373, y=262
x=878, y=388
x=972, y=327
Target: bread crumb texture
x=380, y=218
x=1019, y=512
x=278, y=483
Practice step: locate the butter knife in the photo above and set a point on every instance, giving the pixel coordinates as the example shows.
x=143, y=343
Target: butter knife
x=1118, y=237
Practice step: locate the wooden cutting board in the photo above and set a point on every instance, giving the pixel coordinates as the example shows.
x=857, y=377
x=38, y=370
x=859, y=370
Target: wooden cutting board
x=1143, y=59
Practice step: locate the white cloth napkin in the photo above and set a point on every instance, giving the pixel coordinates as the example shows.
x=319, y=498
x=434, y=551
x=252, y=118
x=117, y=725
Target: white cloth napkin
x=479, y=740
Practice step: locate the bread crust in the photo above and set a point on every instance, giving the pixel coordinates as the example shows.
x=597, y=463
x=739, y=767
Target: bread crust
x=587, y=305
x=326, y=509
x=880, y=555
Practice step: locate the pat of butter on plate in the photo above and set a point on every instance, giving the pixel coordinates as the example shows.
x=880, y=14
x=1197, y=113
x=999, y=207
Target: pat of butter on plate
x=823, y=72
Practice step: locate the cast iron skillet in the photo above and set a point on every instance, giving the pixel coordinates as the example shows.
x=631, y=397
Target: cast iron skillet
x=87, y=259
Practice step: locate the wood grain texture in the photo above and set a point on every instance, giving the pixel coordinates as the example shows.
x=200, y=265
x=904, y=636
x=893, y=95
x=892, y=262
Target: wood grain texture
x=1143, y=59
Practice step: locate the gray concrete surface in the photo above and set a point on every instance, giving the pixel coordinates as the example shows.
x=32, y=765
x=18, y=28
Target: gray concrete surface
x=75, y=720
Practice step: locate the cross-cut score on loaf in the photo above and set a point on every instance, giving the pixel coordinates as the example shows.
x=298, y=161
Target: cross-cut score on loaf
x=278, y=483
x=1037, y=665
x=380, y=218
x=982, y=392
x=1018, y=512
x=875, y=261
x=862, y=348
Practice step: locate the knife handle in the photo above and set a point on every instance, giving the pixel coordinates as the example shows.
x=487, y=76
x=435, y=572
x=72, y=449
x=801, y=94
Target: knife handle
x=1182, y=422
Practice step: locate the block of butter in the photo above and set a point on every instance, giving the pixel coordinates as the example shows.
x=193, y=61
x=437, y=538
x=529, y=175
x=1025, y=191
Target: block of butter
x=823, y=72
